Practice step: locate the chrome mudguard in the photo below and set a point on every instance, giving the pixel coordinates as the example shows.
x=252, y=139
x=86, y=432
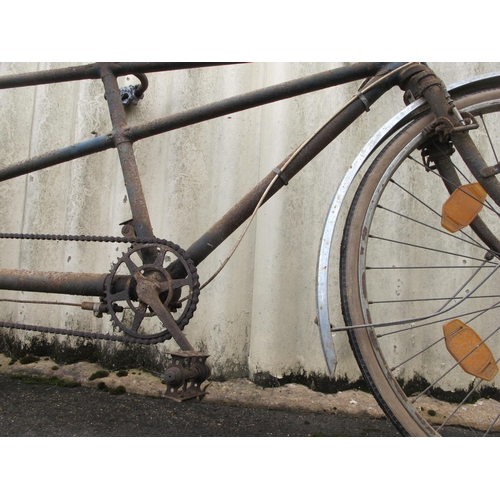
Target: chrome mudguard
x=392, y=126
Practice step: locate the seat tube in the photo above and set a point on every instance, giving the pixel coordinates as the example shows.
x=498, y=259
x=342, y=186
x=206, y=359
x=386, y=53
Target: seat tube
x=141, y=221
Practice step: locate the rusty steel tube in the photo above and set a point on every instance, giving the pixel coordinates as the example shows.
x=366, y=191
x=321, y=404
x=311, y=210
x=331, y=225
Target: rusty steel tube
x=207, y=243
x=87, y=284
x=93, y=72
x=62, y=155
x=140, y=215
x=204, y=113
x=254, y=99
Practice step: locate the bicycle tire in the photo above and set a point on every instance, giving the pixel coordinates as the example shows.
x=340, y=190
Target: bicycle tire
x=407, y=364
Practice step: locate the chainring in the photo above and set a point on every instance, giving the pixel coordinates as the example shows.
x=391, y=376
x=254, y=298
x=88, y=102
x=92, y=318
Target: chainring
x=178, y=280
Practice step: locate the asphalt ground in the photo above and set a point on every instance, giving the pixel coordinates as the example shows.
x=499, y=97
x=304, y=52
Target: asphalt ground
x=38, y=397
x=39, y=409
x=29, y=408
x=161, y=456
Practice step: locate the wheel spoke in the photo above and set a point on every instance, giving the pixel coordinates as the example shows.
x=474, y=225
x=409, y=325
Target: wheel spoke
x=455, y=365
x=469, y=240
x=411, y=286
x=492, y=425
x=454, y=185
x=429, y=299
x=467, y=397
x=430, y=346
x=493, y=150
x=477, y=312
x=422, y=247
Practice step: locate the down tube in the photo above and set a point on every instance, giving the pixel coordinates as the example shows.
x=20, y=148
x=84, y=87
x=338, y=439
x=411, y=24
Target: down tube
x=233, y=219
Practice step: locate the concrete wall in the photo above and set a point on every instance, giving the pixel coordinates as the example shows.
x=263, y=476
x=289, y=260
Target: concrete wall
x=258, y=316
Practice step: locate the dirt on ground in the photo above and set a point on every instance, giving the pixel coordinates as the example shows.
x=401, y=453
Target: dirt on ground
x=236, y=392
x=244, y=393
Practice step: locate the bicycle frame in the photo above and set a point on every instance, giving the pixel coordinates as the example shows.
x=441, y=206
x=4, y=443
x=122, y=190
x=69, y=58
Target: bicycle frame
x=122, y=138
x=414, y=78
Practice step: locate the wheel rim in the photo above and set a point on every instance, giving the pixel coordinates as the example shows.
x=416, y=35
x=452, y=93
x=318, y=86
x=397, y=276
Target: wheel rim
x=389, y=282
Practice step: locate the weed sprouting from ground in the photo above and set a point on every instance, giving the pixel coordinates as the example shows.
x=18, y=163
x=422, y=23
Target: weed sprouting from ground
x=45, y=380
x=99, y=374
x=118, y=390
x=112, y=390
x=29, y=359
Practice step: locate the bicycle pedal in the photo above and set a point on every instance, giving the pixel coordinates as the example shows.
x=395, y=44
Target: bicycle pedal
x=462, y=207
x=466, y=347
x=185, y=375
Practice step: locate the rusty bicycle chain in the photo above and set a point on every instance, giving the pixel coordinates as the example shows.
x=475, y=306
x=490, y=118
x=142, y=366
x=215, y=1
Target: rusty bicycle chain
x=96, y=239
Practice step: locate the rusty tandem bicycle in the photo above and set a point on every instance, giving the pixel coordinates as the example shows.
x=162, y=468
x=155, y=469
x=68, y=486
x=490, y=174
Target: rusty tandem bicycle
x=424, y=213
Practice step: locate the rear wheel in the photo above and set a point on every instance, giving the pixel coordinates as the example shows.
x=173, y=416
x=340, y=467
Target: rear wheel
x=406, y=280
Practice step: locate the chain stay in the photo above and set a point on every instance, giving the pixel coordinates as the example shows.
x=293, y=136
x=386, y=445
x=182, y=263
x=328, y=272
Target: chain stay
x=89, y=239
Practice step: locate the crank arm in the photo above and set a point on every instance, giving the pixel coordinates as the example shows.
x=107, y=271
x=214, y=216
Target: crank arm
x=148, y=291
x=189, y=368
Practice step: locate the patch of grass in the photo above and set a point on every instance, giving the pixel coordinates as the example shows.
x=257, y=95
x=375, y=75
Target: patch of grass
x=26, y=360
x=118, y=390
x=432, y=413
x=112, y=390
x=121, y=373
x=99, y=374
x=27, y=379
x=55, y=367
